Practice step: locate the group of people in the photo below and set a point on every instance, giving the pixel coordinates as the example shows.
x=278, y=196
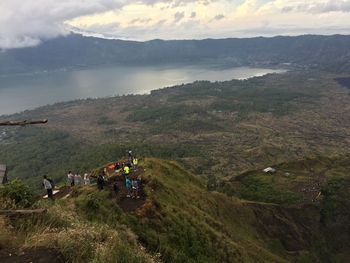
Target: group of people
x=132, y=182
x=76, y=179
x=133, y=186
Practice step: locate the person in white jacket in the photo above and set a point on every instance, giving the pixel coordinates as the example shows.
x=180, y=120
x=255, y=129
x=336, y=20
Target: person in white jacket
x=77, y=179
x=86, y=179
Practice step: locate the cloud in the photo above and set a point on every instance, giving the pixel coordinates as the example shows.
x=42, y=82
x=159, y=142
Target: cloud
x=179, y=16
x=140, y=21
x=237, y=19
x=161, y=29
x=320, y=6
x=27, y=23
x=160, y=23
x=219, y=17
x=310, y=6
x=247, y=7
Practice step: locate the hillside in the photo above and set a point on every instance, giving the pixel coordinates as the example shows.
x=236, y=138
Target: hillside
x=222, y=129
x=207, y=199
x=330, y=53
x=181, y=221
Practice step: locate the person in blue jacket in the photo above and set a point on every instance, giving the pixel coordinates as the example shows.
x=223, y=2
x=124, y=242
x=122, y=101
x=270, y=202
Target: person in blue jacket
x=128, y=186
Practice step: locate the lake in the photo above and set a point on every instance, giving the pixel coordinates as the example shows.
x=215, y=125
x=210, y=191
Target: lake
x=22, y=92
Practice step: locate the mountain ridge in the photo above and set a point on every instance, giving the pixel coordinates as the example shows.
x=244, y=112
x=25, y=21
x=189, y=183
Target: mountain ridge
x=329, y=53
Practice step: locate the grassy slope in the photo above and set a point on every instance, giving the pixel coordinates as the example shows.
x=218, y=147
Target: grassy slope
x=184, y=222
x=189, y=224
x=293, y=183
x=80, y=228
x=194, y=222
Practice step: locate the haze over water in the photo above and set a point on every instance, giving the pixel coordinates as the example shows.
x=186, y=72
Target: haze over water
x=22, y=92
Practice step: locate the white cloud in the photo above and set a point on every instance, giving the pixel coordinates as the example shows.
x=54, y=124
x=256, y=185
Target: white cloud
x=309, y=6
x=179, y=16
x=28, y=22
x=321, y=6
x=247, y=7
x=219, y=17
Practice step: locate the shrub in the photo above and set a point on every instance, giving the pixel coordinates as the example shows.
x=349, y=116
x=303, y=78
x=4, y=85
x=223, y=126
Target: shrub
x=16, y=194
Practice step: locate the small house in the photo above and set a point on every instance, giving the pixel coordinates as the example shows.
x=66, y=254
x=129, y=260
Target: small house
x=3, y=174
x=269, y=170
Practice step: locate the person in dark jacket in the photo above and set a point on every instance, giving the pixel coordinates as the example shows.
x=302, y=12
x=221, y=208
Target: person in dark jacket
x=100, y=182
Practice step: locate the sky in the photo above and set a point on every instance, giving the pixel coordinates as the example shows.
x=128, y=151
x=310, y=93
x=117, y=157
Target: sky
x=29, y=22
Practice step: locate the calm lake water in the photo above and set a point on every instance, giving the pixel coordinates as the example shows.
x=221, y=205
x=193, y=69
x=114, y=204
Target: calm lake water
x=22, y=92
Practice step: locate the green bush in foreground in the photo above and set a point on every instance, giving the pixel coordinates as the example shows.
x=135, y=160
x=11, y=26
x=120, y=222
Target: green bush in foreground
x=16, y=194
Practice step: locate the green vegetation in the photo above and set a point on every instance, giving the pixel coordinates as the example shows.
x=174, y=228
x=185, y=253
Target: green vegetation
x=15, y=194
x=104, y=120
x=157, y=113
x=35, y=152
x=243, y=97
x=225, y=132
x=79, y=239
x=227, y=127
x=336, y=193
x=180, y=221
x=297, y=182
x=258, y=190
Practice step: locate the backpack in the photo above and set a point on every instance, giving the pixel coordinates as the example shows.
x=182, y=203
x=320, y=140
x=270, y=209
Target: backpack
x=52, y=183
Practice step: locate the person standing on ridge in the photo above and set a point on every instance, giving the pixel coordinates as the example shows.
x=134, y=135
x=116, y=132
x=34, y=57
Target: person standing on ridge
x=70, y=178
x=48, y=185
x=117, y=167
x=135, y=162
x=77, y=179
x=100, y=182
x=126, y=170
x=139, y=184
x=105, y=172
x=128, y=185
x=135, y=189
x=130, y=157
x=86, y=179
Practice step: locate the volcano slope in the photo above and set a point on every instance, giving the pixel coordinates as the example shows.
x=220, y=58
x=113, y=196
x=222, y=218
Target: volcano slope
x=178, y=221
x=221, y=128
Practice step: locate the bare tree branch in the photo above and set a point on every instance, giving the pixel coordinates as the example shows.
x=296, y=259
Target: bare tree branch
x=22, y=123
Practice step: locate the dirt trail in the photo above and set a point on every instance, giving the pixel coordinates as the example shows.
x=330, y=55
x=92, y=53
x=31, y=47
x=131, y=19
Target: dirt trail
x=128, y=204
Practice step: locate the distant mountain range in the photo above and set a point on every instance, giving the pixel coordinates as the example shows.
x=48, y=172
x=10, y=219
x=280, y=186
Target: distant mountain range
x=329, y=53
